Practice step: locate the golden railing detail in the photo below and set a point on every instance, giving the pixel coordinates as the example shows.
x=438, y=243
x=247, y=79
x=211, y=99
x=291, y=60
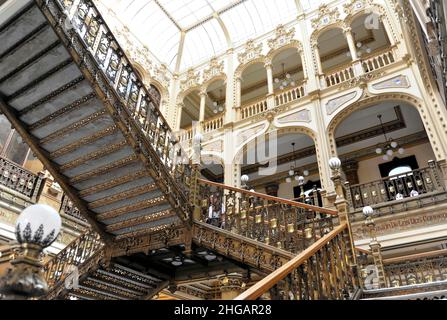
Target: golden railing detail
x=323, y=271
x=416, y=269
x=72, y=257
x=281, y=223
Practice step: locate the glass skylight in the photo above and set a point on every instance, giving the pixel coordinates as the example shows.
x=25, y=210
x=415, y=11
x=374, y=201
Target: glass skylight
x=158, y=24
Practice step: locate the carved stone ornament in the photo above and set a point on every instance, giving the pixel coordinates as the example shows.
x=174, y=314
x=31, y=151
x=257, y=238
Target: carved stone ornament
x=362, y=80
x=299, y=116
x=334, y=104
x=215, y=69
x=325, y=17
x=251, y=52
x=400, y=81
x=356, y=5
x=192, y=80
x=160, y=74
x=282, y=38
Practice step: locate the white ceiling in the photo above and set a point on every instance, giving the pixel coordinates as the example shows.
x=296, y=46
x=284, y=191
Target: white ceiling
x=210, y=26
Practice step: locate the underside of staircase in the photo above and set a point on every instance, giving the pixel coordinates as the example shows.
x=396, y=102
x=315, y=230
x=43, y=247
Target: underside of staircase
x=57, y=97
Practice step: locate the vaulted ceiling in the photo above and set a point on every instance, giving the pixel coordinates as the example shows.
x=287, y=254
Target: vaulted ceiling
x=183, y=33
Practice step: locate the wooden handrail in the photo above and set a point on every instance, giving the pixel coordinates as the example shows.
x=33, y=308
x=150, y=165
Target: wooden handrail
x=412, y=257
x=363, y=250
x=271, y=198
x=272, y=279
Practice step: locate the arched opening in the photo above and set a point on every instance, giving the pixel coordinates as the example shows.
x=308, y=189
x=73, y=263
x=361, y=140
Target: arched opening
x=190, y=110
x=386, y=153
x=369, y=38
x=333, y=50
x=277, y=163
x=288, y=75
x=215, y=99
x=254, y=85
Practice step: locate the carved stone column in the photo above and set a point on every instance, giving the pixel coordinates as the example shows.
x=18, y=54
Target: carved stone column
x=238, y=92
x=271, y=89
x=272, y=189
x=203, y=96
x=351, y=43
x=350, y=168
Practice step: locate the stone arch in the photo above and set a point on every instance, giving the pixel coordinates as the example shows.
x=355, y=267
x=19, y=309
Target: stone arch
x=221, y=77
x=294, y=44
x=383, y=16
x=241, y=68
x=375, y=99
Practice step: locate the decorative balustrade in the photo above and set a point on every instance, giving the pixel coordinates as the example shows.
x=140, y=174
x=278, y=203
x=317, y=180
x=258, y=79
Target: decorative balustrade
x=139, y=102
x=416, y=269
x=340, y=75
x=290, y=95
x=378, y=60
x=20, y=180
x=323, y=271
x=73, y=256
x=400, y=187
x=253, y=109
x=68, y=208
x=185, y=135
x=285, y=224
x=213, y=124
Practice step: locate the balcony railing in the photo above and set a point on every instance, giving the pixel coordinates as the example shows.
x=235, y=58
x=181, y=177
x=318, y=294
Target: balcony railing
x=68, y=208
x=290, y=95
x=340, y=75
x=20, y=180
x=416, y=269
x=397, y=188
x=378, y=60
x=213, y=124
x=253, y=109
x=324, y=271
x=285, y=224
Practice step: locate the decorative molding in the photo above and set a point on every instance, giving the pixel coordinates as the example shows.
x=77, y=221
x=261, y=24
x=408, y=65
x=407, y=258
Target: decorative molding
x=251, y=52
x=334, y=104
x=192, y=80
x=215, y=69
x=356, y=5
x=400, y=81
x=282, y=37
x=299, y=116
x=326, y=16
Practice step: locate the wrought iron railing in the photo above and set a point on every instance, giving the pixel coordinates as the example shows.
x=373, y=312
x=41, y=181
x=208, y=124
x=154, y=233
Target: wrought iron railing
x=400, y=187
x=323, y=271
x=416, y=269
x=82, y=17
x=72, y=257
x=285, y=224
x=20, y=180
x=68, y=208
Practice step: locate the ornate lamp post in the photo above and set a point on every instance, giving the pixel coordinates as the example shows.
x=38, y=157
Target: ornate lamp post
x=244, y=180
x=37, y=228
x=375, y=246
x=301, y=182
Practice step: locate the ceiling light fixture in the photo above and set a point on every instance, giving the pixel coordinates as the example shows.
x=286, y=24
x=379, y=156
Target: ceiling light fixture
x=390, y=147
x=285, y=80
x=295, y=174
x=219, y=106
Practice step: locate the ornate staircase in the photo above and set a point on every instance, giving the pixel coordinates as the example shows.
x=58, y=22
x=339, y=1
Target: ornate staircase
x=69, y=90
